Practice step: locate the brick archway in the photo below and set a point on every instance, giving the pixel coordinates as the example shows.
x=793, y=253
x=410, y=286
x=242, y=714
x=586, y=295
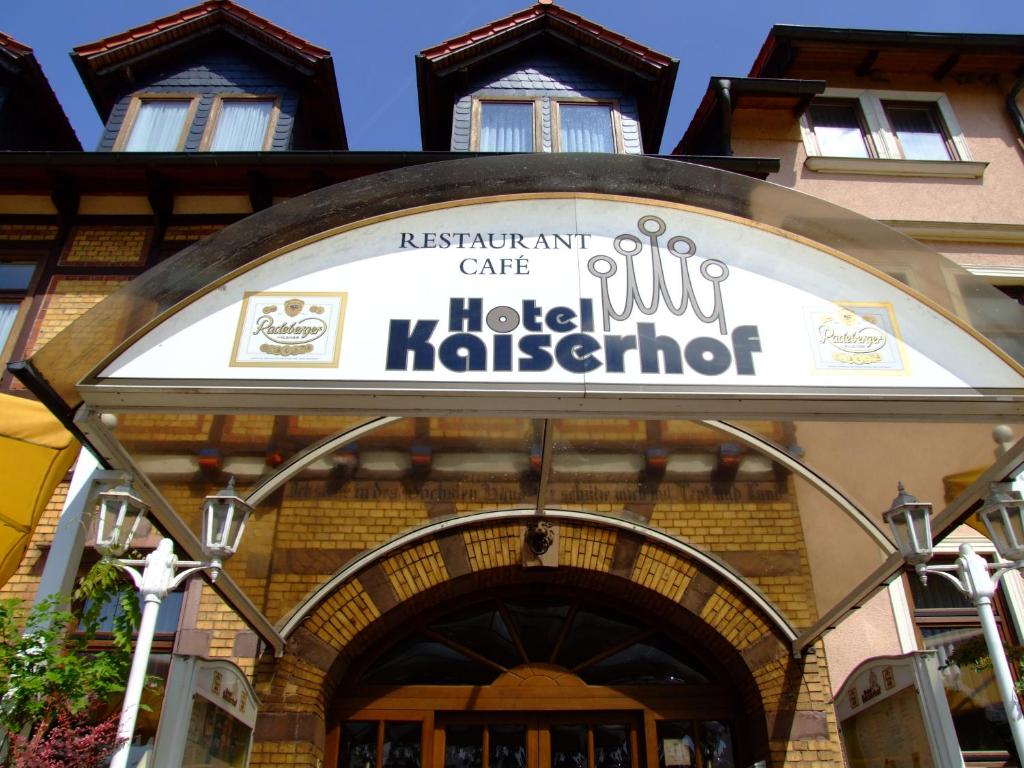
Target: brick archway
x=786, y=699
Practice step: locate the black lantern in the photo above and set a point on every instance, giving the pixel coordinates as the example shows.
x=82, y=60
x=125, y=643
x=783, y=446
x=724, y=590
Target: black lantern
x=120, y=512
x=224, y=517
x=1002, y=512
x=910, y=521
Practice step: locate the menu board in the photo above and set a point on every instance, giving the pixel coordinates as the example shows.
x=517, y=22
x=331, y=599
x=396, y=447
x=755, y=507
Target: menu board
x=890, y=735
x=893, y=714
x=208, y=716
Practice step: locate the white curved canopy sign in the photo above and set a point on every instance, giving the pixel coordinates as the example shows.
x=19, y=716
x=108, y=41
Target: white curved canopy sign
x=585, y=297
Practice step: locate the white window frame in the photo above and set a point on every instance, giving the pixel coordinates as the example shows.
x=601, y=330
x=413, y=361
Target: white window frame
x=882, y=141
x=136, y=104
x=215, y=113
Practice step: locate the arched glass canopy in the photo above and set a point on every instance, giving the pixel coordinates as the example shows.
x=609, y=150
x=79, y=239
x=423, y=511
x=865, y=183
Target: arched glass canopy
x=765, y=421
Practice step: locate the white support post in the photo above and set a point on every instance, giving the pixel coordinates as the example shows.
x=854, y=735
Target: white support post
x=980, y=587
x=136, y=680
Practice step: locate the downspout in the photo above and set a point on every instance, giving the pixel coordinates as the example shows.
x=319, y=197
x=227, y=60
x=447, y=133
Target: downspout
x=722, y=86
x=1014, y=107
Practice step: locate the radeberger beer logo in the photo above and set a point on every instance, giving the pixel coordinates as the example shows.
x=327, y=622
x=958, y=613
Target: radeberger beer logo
x=529, y=336
x=293, y=329
x=855, y=336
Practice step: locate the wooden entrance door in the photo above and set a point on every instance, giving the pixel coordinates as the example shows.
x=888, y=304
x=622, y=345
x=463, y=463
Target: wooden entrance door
x=561, y=740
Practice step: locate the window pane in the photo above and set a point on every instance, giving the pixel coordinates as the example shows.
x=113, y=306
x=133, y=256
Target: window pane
x=611, y=746
x=464, y=746
x=506, y=127
x=421, y=661
x=585, y=128
x=241, y=126
x=8, y=312
x=359, y=745
x=166, y=617
x=538, y=624
x=675, y=744
x=158, y=126
x=918, y=132
x=483, y=630
x=716, y=744
x=508, y=746
x=655, y=661
x=401, y=745
x=974, y=702
x=837, y=129
x=592, y=632
x=568, y=746
x=16, y=275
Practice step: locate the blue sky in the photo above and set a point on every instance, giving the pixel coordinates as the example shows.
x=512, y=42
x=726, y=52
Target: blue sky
x=374, y=42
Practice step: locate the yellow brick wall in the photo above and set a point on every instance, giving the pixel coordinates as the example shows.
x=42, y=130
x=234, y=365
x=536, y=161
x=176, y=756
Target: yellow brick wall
x=28, y=232
x=24, y=583
x=785, y=686
x=107, y=245
x=67, y=298
x=189, y=232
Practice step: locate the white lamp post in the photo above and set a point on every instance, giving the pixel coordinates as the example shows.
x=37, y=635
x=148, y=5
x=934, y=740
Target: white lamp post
x=973, y=576
x=120, y=512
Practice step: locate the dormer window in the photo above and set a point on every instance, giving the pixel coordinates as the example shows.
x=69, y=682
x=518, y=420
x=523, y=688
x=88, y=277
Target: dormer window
x=586, y=127
x=241, y=124
x=505, y=126
x=156, y=124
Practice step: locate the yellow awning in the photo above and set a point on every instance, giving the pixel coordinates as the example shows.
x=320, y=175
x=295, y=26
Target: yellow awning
x=35, y=454
x=955, y=484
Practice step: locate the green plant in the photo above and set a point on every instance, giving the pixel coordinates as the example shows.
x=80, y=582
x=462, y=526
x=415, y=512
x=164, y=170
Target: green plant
x=46, y=669
x=973, y=654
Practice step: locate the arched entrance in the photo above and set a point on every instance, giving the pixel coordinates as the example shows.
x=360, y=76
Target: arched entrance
x=539, y=676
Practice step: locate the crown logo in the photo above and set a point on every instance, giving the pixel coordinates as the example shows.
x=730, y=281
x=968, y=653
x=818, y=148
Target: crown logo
x=604, y=268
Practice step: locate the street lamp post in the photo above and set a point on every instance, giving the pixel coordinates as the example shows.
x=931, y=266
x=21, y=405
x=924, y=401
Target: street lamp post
x=120, y=512
x=975, y=578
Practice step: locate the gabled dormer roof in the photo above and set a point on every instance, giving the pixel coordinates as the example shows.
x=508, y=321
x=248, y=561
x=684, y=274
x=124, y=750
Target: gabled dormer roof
x=444, y=69
x=29, y=99
x=109, y=67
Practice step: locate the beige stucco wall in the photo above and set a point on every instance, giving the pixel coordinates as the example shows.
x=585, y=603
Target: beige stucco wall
x=869, y=632
x=866, y=461
x=991, y=137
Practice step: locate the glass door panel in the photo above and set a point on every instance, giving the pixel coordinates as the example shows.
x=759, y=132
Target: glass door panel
x=507, y=747
x=569, y=747
x=613, y=746
x=539, y=741
x=464, y=746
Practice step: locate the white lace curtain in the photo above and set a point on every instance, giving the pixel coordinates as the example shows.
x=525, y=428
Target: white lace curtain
x=506, y=127
x=242, y=126
x=8, y=311
x=585, y=128
x=158, y=126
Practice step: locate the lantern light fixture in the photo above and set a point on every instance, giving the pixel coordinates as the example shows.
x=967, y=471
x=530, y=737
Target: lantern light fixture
x=1002, y=512
x=225, y=514
x=120, y=510
x=910, y=522
x=118, y=517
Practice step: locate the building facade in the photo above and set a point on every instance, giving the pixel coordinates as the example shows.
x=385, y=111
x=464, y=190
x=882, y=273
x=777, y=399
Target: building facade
x=512, y=505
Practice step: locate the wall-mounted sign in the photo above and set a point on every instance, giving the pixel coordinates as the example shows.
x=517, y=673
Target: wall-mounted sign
x=893, y=714
x=582, y=294
x=289, y=329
